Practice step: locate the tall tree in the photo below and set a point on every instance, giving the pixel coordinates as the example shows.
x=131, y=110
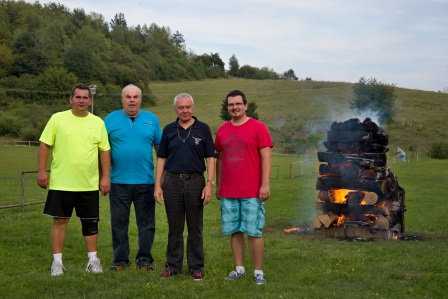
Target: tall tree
x=118, y=21
x=372, y=95
x=290, y=75
x=234, y=66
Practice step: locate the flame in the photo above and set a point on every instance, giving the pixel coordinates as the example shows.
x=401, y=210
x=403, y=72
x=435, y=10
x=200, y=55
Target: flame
x=339, y=195
x=341, y=220
x=296, y=230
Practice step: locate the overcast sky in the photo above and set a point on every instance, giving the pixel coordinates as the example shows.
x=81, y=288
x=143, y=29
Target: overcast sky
x=402, y=42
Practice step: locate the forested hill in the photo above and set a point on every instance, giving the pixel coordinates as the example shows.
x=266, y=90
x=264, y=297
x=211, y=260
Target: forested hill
x=54, y=46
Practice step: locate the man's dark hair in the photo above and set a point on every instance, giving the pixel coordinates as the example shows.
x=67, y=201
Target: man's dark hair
x=81, y=86
x=235, y=93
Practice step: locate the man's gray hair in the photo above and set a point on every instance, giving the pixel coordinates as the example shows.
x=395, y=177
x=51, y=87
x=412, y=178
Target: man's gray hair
x=182, y=96
x=131, y=85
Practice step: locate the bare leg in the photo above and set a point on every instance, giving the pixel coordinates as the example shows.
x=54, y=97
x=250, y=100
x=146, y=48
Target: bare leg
x=256, y=249
x=58, y=232
x=238, y=245
x=91, y=242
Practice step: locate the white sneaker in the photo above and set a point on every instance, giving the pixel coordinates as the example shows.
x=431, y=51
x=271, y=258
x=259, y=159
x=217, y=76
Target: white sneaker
x=57, y=269
x=94, y=266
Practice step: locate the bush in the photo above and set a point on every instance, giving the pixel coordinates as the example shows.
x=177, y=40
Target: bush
x=439, y=150
x=29, y=134
x=9, y=125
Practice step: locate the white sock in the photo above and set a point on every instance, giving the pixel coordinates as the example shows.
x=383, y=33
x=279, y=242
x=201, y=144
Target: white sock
x=91, y=255
x=258, y=272
x=57, y=257
x=240, y=269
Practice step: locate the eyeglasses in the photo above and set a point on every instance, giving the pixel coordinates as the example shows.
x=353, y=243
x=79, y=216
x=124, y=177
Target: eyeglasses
x=235, y=105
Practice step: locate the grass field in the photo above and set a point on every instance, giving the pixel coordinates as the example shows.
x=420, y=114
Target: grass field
x=312, y=106
x=296, y=265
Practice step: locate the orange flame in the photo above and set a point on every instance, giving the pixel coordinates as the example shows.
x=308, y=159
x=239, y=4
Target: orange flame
x=296, y=229
x=340, y=195
x=341, y=220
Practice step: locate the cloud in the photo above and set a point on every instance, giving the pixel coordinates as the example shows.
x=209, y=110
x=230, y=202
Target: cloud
x=400, y=40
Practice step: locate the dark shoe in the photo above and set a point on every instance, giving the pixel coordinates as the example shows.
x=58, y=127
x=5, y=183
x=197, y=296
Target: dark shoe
x=120, y=266
x=197, y=276
x=168, y=273
x=146, y=267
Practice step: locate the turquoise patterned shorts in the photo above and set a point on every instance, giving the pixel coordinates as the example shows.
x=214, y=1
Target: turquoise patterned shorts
x=244, y=215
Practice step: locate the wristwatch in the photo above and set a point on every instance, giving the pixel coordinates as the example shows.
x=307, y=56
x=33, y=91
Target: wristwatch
x=213, y=183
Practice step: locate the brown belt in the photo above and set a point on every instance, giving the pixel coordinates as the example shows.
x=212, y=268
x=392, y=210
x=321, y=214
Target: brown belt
x=184, y=176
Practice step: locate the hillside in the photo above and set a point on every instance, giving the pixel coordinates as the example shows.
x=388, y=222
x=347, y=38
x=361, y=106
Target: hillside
x=300, y=112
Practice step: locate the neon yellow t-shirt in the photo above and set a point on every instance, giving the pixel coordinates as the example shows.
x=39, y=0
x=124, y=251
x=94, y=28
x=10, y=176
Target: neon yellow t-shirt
x=76, y=142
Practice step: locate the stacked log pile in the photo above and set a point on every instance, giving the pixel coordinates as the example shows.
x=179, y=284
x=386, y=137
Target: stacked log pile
x=355, y=165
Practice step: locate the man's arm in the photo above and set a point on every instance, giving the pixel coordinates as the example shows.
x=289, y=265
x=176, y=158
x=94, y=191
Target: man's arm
x=42, y=158
x=207, y=192
x=105, y=172
x=218, y=173
x=158, y=191
x=265, y=189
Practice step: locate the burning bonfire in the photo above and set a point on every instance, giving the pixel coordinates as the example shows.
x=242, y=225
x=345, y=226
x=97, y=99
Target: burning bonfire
x=359, y=195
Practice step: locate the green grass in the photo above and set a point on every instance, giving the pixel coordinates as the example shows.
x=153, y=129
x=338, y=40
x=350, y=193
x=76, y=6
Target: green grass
x=296, y=265
x=421, y=115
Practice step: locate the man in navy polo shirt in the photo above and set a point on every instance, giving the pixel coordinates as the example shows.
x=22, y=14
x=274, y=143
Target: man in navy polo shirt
x=132, y=135
x=180, y=183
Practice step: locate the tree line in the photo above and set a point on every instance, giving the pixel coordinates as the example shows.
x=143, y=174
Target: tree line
x=45, y=49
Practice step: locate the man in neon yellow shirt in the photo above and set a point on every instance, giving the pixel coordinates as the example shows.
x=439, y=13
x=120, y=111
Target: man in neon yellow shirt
x=76, y=138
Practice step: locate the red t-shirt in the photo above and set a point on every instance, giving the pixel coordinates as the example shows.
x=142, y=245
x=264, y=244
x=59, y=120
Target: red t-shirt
x=241, y=161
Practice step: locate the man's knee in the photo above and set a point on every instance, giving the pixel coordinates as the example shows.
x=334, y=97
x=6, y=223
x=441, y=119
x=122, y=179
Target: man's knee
x=89, y=227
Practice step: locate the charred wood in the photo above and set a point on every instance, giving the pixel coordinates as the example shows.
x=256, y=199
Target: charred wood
x=344, y=209
x=366, y=159
x=357, y=136
x=378, y=186
x=355, y=147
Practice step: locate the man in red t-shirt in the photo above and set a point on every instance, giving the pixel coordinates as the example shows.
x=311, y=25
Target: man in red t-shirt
x=243, y=172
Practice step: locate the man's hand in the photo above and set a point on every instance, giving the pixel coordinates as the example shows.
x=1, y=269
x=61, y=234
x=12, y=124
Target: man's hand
x=43, y=180
x=105, y=185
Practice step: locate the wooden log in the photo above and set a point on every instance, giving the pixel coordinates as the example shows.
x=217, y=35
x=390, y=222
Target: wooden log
x=356, y=136
x=381, y=222
x=328, y=219
x=366, y=159
x=324, y=169
x=355, y=147
x=371, y=198
x=344, y=209
x=323, y=196
x=354, y=199
x=317, y=223
x=329, y=182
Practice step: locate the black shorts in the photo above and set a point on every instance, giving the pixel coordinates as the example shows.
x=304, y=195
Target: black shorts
x=61, y=203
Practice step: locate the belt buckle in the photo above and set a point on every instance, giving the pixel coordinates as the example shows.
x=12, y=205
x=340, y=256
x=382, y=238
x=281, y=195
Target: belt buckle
x=184, y=176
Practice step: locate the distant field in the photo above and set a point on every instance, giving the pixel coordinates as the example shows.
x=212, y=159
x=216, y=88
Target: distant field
x=421, y=119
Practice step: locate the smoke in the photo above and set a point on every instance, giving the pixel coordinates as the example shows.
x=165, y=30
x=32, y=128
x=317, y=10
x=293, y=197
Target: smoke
x=319, y=126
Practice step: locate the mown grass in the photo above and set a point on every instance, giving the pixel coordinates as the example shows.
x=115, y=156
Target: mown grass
x=296, y=265
x=421, y=116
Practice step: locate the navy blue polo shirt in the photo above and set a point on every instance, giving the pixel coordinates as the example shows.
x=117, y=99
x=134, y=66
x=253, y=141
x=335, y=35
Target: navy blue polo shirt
x=188, y=156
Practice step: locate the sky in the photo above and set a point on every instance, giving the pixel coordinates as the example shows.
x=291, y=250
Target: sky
x=400, y=42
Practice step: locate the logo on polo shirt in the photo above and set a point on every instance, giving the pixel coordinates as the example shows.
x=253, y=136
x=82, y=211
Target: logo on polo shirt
x=196, y=140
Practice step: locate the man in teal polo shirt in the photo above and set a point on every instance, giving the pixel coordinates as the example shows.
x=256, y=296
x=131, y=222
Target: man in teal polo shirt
x=132, y=135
